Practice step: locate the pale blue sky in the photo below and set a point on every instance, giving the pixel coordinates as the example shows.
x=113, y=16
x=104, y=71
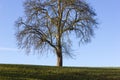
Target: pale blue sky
x=104, y=50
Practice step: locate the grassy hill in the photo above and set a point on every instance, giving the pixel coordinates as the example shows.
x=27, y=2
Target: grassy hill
x=30, y=72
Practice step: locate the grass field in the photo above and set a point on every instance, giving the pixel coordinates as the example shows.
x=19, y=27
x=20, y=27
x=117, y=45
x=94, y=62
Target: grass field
x=30, y=72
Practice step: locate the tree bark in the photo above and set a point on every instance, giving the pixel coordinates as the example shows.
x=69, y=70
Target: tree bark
x=59, y=58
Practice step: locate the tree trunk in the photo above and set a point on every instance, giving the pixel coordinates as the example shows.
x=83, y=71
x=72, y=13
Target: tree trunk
x=59, y=48
x=59, y=58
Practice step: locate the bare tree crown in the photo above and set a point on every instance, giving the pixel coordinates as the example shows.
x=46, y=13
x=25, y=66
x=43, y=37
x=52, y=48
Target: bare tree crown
x=48, y=24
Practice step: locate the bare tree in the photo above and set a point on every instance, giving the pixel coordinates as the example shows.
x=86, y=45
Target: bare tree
x=49, y=25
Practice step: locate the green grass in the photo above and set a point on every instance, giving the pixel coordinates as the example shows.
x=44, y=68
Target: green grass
x=29, y=72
